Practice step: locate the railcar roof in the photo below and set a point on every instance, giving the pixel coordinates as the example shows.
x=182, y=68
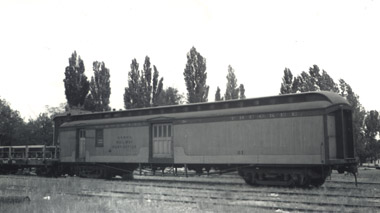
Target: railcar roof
x=290, y=102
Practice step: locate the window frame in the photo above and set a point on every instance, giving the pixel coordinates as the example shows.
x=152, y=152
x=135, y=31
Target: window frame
x=99, y=138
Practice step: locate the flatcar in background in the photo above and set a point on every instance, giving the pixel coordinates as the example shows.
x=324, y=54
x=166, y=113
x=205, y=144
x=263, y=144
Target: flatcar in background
x=295, y=139
x=44, y=159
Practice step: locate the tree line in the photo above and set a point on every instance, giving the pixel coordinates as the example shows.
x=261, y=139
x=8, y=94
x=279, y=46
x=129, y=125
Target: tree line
x=15, y=131
x=366, y=124
x=145, y=88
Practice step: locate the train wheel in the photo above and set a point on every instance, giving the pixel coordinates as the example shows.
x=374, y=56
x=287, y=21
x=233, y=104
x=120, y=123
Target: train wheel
x=294, y=181
x=105, y=174
x=198, y=171
x=340, y=170
x=41, y=171
x=305, y=181
x=128, y=176
x=248, y=178
x=317, y=182
x=207, y=168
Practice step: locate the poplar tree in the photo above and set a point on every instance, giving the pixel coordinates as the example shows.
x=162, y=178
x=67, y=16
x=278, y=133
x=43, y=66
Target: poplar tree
x=322, y=82
x=232, y=90
x=100, y=90
x=146, y=82
x=217, y=95
x=326, y=83
x=157, y=87
x=242, y=91
x=287, y=82
x=308, y=81
x=195, y=76
x=76, y=83
x=132, y=92
x=142, y=90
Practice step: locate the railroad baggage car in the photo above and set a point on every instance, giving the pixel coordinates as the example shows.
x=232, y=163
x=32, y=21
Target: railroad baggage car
x=294, y=139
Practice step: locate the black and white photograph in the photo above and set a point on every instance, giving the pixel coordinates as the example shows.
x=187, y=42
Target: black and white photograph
x=189, y=106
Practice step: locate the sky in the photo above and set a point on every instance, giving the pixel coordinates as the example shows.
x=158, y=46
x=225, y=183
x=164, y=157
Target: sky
x=259, y=39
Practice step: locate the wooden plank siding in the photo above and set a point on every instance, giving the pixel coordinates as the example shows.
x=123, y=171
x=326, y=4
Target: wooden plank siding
x=124, y=144
x=255, y=138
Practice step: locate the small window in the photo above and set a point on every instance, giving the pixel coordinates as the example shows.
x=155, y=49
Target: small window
x=99, y=138
x=164, y=131
x=155, y=131
x=161, y=130
x=82, y=133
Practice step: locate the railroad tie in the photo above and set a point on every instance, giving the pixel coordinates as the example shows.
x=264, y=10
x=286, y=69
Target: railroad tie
x=14, y=199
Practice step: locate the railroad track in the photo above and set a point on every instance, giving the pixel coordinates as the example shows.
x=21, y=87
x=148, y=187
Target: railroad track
x=211, y=185
x=208, y=188
x=219, y=193
x=207, y=204
x=348, y=182
x=205, y=180
x=257, y=202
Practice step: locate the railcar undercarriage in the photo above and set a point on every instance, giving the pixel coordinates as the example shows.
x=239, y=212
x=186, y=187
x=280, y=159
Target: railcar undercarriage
x=98, y=170
x=292, y=176
x=288, y=176
x=252, y=175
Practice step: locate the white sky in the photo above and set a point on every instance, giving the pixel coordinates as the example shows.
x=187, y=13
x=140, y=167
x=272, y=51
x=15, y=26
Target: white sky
x=257, y=38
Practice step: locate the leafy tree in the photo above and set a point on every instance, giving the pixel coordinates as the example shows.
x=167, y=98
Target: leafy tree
x=195, y=77
x=100, y=90
x=314, y=73
x=217, y=95
x=306, y=82
x=296, y=84
x=326, y=83
x=11, y=125
x=76, y=83
x=89, y=103
x=169, y=96
x=371, y=124
x=14, y=131
x=53, y=111
x=139, y=92
x=358, y=116
x=371, y=130
x=41, y=130
x=315, y=81
x=242, y=91
x=232, y=90
x=322, y=82
x=287, y=82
